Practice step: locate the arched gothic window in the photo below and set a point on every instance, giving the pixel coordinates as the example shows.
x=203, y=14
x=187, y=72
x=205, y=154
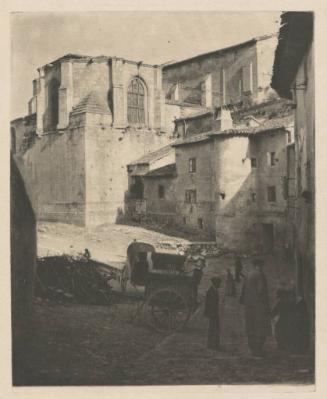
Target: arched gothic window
x=136, y=102
x=53, y=103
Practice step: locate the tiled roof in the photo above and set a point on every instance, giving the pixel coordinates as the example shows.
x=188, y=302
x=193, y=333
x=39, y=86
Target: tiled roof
x=273, y=124
x=267, y=126
x=184, y=104
x=168, y=170
x=233, y=132
x=153, y=156
x=195, y=138
x=194, y=115
x=92, y=103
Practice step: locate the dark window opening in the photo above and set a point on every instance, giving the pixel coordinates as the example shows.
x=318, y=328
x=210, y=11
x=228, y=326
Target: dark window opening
x=184, y=220
x=137, y=188
x=272, y=158
x=271, y=192
x=200, y=223
x=161, y=191
x=192, y=165
x=53, y=103
x=254, y=197
x=254, y=162
x=190, y=196
x=136, y=102
x=28, y=140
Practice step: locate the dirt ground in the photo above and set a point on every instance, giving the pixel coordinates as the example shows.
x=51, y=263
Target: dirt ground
x=73, y=344
x=106, y=243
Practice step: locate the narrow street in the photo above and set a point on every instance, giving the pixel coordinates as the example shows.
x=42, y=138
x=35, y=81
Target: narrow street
x=75, y=344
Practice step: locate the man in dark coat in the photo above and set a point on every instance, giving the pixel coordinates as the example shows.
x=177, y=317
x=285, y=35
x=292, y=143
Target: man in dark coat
x=196, y=277
x=230, y=288
x=211, y=311
x=238, y=267
x=254, y=297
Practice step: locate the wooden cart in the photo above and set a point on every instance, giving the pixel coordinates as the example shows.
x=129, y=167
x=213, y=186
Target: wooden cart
x=169, y=289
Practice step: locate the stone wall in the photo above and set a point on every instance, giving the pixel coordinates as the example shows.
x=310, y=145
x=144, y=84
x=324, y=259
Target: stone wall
x=154, y=204
x=233, y=184
x=201, y=181
x=87, y=77
x=122, y=72
x=305, y=179
x=174, y=110
x=244, y=212
x=265, y=61
x=23, y=133
x=23, y=262
x=233, y=74
x=54, y=174
x=108, y=152
x=274, y=213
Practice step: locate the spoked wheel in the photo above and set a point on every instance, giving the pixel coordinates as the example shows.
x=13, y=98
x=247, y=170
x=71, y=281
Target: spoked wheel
x=167, y=310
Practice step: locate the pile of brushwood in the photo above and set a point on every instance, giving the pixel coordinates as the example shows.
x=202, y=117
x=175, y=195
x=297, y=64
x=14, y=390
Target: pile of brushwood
x=73, y=279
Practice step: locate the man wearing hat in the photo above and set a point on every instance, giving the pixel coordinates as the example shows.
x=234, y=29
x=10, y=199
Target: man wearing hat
x=197, y=275
x=211, y=311
x=254, y=297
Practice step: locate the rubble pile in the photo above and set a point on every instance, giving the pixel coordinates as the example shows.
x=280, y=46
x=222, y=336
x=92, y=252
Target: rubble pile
x=204, y=249
x=73, y=279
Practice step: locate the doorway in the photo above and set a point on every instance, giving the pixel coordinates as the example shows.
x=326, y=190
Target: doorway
x=268, y=237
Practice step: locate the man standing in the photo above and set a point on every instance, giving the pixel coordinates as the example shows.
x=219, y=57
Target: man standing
x=254, y=297
x=230, y=288
x=211, y=311
x=197, y=276
x=238, y=267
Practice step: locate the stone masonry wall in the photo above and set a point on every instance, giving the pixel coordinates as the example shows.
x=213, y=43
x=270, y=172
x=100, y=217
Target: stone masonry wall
x=54, y=175
x=225, y=85
x=305, y=178
x=154, y=204
x=245, y=208
x=89, y=77
x=201, y=181
x=233, y=184
x=108, y=152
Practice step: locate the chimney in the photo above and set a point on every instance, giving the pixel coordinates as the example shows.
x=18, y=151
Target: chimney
x=223, y=120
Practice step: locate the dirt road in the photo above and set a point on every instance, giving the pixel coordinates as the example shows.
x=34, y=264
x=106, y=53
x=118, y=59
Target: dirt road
x=96, y=345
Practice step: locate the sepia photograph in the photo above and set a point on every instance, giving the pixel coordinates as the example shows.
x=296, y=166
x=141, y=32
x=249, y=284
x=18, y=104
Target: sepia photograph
x=162, y=198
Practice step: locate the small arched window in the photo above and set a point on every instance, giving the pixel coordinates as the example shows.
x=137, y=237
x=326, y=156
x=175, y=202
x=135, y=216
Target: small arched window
x=136, y=102
x=13, y=140
x=53, y=103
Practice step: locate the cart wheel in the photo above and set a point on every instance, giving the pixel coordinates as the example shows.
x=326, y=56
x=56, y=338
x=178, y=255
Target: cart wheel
x=167, y=310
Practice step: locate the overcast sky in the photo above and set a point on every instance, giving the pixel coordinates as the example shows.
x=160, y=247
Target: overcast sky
x=153, y=37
